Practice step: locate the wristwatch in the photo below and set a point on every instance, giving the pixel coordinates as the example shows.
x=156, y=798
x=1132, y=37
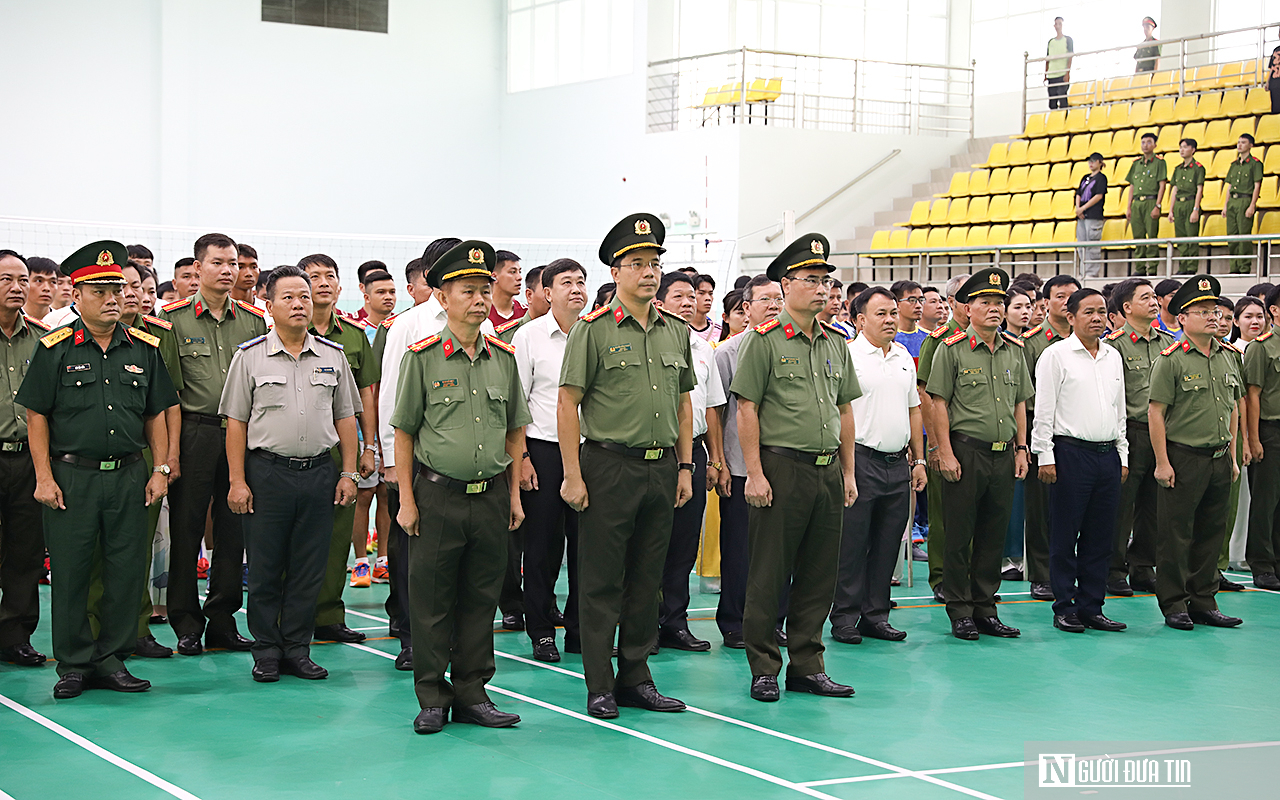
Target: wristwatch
x=354, y=476
x=525, y=454
x=162, y=469
x=919, y=462
x=372, y=447
x=716, y=465
x=688, y=466
x=1021, y=447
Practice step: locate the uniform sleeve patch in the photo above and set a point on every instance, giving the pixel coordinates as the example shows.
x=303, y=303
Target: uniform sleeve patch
x=386, y=323
x=423, y=344
x=359, y=323
x=56, y=336
x=159, y=323
x=958, y=336
x=496, y=342
x=253, y=341
x=1264, y=336
x=835, y=330
x=765, y=327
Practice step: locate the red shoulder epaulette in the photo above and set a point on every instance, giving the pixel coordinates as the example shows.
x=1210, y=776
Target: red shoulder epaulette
x=252, y=308
x=423, y=344
x=597, y=314
x=159, y=323
x=1033, y=331
x=35, y=323
x=1116, y=334
x=938, y=331
x=1229, y=346
x=508, y=325
x=1265, y=336
x=1169, y=350
x=496, y=342
x=958, y=336
x=177, y=304
x=359, y=323
x=765, y=327
x=672, y=314
x=1009, y=337
x=386, y=323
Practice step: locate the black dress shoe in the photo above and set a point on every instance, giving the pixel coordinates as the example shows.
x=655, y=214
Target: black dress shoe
x=1011, y=574
x=937, y=595
x=189, y=644
x=557, y=617
x=645, y=695
x=780, y=636
x=266, y=670
x=119, y=681
x=654, y=649
x=1142, y=583
x=68, y=686
x=404, y=661
x=1099, y=622
x=1181, y=621
x=304, y=668
x=231, y=641
x=1225, y=585
x=601, y=705
x=157, y=619
x=881, y=630
x=148, y=647
x=338, y=632
x=964, y=628
x=682, y=639
x=1215, y=618
x=1119, y=587
x=765, y=688
x=545, y=650
x=1267, y=580
x=484, y=714
x=846, y=634
x=1041, y=591
x=513, y=622
x=819, y=684
x=733, y=640
x=430, y=720
x=572, y=644
x=1068, y=622
x=23, y=654
x=992, y=626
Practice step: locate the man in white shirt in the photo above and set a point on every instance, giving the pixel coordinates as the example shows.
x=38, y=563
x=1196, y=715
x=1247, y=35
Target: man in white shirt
x=887, y=418
x=1079, y=439
x=549, y=520
x=676, y=293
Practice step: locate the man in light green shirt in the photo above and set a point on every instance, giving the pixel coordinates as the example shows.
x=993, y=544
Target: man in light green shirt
x=1057, y=71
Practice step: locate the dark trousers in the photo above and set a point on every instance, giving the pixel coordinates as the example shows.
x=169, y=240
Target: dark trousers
x=1035, y=506
x=622, y=545
x=1082, y=517
x=734, y=561
x=105, y=512
x=1192, y=520
x=204, y=480
x=145, y=606
x=797, y=535
x=1057, y=92
x=397, y=604
x=1263, y=544
x=511, y=598
x=288, y=539
x=937, y=528
x=456, y=564
x=21, y=549
x=1136, y=558
x=682, y=551
x=977, y=509
x=871, y=540
x=330, y=609
x=548, y=523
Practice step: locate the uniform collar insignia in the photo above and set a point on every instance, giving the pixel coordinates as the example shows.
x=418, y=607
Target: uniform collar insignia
x=789, y=330
x=619, y=313
x=79, y=339
x=448, y=347
x=199, y=308
x=1134, y=336
x=1186, y=346
x=973, y=342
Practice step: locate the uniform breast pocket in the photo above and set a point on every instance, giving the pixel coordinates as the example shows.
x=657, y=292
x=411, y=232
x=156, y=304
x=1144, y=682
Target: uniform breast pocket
x=973, y=388
x=269, y=391
x=496, y=407
x=133, y=389
x=196, y=358
x=1136, y=363
x=325, y=384
x=1194, y=383
x=672, y=365
x=79, y=389
x=444, y=408
x=622, y=370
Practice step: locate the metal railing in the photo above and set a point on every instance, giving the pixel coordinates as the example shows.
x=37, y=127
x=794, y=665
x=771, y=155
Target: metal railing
x=798, y=90
x=802, y=217
x=1174, y=73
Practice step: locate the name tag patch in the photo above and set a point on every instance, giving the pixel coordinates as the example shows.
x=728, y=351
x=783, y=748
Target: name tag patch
x=325, y=370
x=1195, y=377
x=136, y=370
x=972, y=371
x=790, y=360
x=619, y=348
x=193, y=340
x=77, y=368
x=448, y=383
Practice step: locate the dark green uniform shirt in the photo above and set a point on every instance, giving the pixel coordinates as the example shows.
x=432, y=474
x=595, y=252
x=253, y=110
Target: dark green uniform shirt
x=459, y=409
x=206, y=346
x=1145, y=175
x=1242, y=175
x=15, y=358
x=797, y=383
x=380, y=342
x=1034, y=343
x=631, y=377
x=350, y=333
x=1199, y=393
x=163, y=331
x=930, y=346
x=981, y=388
x=1139, y=355
x=96, y=401
x=1186, y=179
x=507, y=330
x=1262, y=369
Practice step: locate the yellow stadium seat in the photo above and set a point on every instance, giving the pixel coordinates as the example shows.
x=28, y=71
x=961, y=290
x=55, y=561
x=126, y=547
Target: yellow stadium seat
x=1058, y=147
x=958, y=212
x=998, y=181
x=978, y=181
x=1021, y=234
x=1125, y=143
x=1082, y=94
x=1268, y=129
x=919, y=214
x=1038, y=178
x=1213, y=225
x=1081, y=147
x=959, y=185
x=937, y=238
x=1078, y=171
x=956, y=236
x=1193, y=130
x=1210, y=106
x=1270, y=161
x=1127, y=116
x=1038, y=151
x=1064, y=204
x=1167, y=141
x=1258, y=102
x=1101, y=143
x=1064, y=232
x=1018, y=177
x=1115, y=202
x=1100, y=117
x=938, y=212
x=1217, y=134
x=1221, y=162
x=1161, y=112
x=998, y=236
x=1184, y=110
x=1041, y=205
x=1060, y=176
x=1238, y=126
x=998, y=157
x=978, y=209
x=977, y=236
x=1139, y=86
x=999, y=208
x=1206, y=78
x=1269, y=197
x=918, y=239
x=1233, y=74
x=1034, y=127
x=1020, y=207
x=1117, y=89
x=1119, y=175
x=1163, y=82
x=1233, y=103
x=1114, y=230
x=880, y=240
x=1077, y=120
x=1042, y=233
x=1165, y=230
x=1269, y=224
x=1212, y=199
x=712, y=98
x=1018, y=152
x=1055, y=124
x=898, y=240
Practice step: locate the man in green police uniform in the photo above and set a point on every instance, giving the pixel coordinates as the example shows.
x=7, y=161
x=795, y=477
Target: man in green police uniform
x=459, y=419
x=979, y=378
x=1244, y=183
x=629, y=365
x=1262, y=380
x=1147, y=177
x=795, y=382
x=327, y=322
x=1195, y=386
x=88, y=420
x=1184, y=203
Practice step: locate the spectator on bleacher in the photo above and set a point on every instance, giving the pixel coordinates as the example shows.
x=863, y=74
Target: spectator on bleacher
x=1184, y=203
x=933, y=309
x=1147, y=177
x=1148, y=57
x=1273, y=80
x=1244, y=182
x=1057, y=71
x=1090, y=195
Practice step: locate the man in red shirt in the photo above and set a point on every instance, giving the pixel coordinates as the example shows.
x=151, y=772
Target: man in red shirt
x=506, y=288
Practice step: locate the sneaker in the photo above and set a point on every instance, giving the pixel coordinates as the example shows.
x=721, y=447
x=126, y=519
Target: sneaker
x=202, y=569
x=360, y=577
x=381, y=574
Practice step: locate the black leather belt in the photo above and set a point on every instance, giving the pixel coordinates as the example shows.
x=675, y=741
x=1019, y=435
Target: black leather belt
x=644, y=453
x=13, y=448
x=463, y=487
x=888, y=458
x=1238, y=195
x=1144, y=197
x=1206, y=452
x=101, y=466
x=204, y=419
x=700, y=439
x=289, y=462
x=822, y=459
x=981, y=444
x=1137, y=423
x=1085, y=444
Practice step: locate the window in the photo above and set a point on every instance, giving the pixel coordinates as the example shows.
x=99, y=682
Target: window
x=356, y=15
x=554, y=42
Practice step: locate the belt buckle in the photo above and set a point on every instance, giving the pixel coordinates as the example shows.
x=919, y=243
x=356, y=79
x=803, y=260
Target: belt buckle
x=822, y=461
x=11, y=447
x=892, y=458
x=653, y=454
x=1221, y=451
x=105, y=466
x=999, y=447
x=477, y=487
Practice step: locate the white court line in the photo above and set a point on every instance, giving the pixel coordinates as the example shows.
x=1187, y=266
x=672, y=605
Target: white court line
x=1245, y=577
x=755, y=773
x=77, y=739
x=4, y=796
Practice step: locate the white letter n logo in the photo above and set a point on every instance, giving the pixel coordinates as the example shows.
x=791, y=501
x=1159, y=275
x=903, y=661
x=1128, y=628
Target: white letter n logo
x=1057, y=769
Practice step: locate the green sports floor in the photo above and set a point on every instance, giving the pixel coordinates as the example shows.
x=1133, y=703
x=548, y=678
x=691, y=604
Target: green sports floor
x=934, y=717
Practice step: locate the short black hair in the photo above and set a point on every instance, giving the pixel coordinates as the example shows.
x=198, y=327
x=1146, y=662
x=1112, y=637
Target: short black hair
x=369, y=266
x=285, y=271
x=504, y=255
x=1096, y=156
x=1147, y=135
x=741, y=281
x=1123, y=293
x=901, y=288
x=213, y=240
x=673, y=278
x=39, y=265
x=14, y=253
x=749, y=289
x=183, y=262
x=1079, y=296
x=1248, y=136
x=557, y=268
x=603, y=294
x=414, y=267
x=262, y=279
x=836, y=284
x=1273, y=297
x=1258, y=290
x=247, y=250
x=1019, y=290
x=1030, y=278
x=864, y=297
x=856, y=288
x=702, y=278
x=375, y=275
x=1225, y=302
x=533, y=277
x=1167, y=287
x=934, y=289
x=167, y=286
x=321, y=259
x=1194, y=144
x=436, y=249
x=139, y=251
x=1056, y=281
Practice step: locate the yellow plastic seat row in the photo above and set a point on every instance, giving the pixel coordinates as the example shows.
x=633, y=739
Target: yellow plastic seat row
x=1205, y=78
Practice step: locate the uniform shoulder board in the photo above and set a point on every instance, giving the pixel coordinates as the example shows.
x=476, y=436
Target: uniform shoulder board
x=672, y=314
x=1169, y=350
x=35, y=323
x=938, y=331
x=159, y=323
x=958, y=336
x=765, y=327
x=143, y=336
x=1009, y=337
x=1162, y=332
x=176, y=304
x=329, y=342
x=253, y=341
x=423, y=344
x=56, y=336
x=496, y=342
x=1116, y=334
x=508, y=325
x=1265, y=336
x=1033, y=331
x=597, y=314
x=836, y=330
x=386, y=323
x=251, y=308
x=1230, y=346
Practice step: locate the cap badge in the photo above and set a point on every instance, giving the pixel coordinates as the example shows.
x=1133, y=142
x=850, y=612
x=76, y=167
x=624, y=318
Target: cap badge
x=476, y=256
x=816, y=247
x=1204, y=284
x=105, y=259
x=643, y=228
x=993, y=279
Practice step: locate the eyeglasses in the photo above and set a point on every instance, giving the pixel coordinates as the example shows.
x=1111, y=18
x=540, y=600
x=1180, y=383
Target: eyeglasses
x=656, y=266
x=814, y=283
x=913, y=300
x=768, y=301
x=1216, y=313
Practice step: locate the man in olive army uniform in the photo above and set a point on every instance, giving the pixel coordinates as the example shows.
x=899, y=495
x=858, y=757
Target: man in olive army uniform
x=1244, y=183
x=1184, y=203
x=1147, y=177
